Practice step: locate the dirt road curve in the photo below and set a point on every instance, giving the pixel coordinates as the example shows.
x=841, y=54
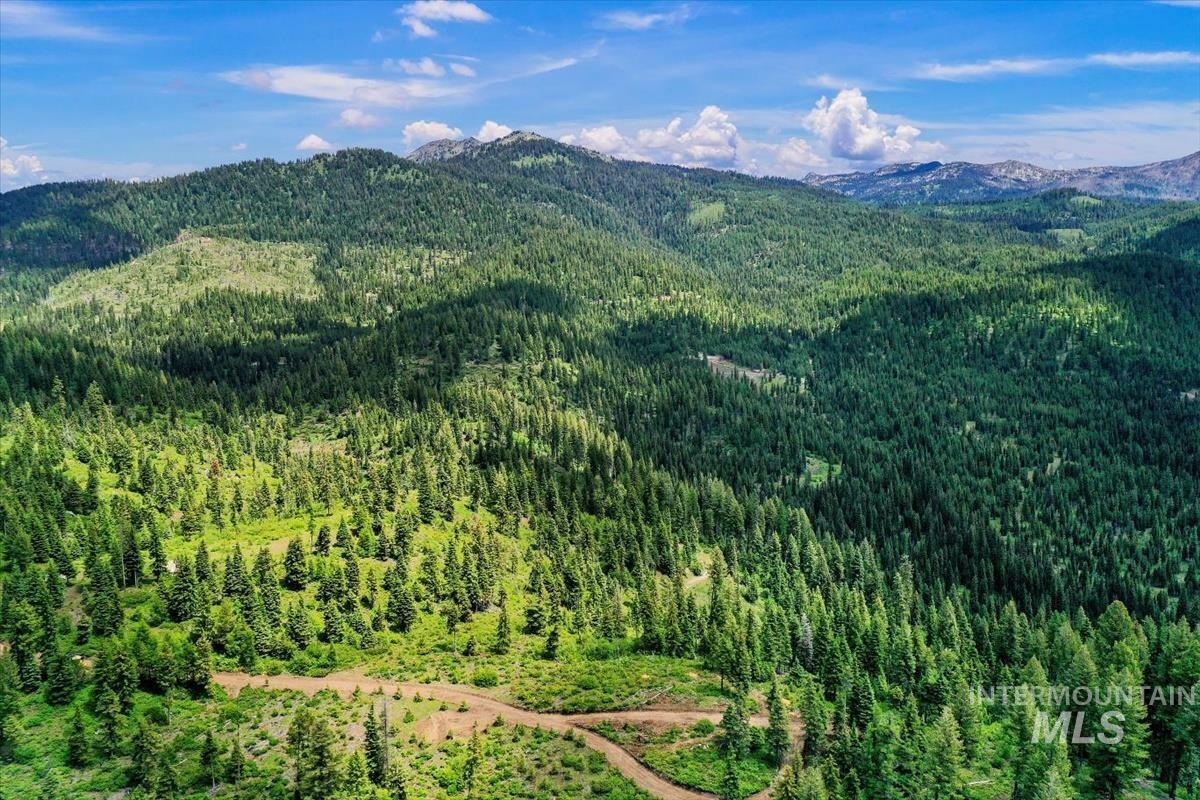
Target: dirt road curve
x=483, y=710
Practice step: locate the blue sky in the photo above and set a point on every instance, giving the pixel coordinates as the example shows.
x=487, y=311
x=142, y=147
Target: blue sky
x=140, y=89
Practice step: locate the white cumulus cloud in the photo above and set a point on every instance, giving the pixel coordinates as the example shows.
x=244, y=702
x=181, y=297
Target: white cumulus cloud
x=422, y=131
x=357, y=118
x=713, y=141
x=313, y=142
x=605, y=139
x=239, y=147
x=490, y=131
x=463, y=70
x=18, y=169
x=417, y=15
x=793, y=156
x=851, y=129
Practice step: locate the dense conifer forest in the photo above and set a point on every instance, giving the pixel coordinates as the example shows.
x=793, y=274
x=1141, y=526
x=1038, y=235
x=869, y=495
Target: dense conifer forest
x=749, y=484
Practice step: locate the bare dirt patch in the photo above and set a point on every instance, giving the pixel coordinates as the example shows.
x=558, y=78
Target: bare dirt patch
x=723, y=367
x=480, y=710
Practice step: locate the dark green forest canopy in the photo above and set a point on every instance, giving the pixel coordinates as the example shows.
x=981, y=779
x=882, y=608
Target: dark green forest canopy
x=1003, y=407
x=910, y=450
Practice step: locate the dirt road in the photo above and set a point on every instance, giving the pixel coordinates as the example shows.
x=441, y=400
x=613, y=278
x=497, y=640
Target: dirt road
x=483, y=711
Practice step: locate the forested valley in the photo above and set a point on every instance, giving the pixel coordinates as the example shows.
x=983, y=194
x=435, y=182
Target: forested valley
x=757, y=483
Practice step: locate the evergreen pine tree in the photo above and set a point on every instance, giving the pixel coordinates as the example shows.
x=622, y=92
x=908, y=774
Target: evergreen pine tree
x=730, y=788
x=801, y=783
x=235, y=765
x=401, y=611
x=397, y=784
x=472, y=765
x=104, y=604
x=295, y=566
x=735, y=728
x=210, y=758
x=182, y=599
x=373, y=745
x=158, y=556
x=550, y=648
x=356, y=783
x=143, y=755
x=312, y=745
x=237, y=582
x=943, y=762
x=23, y=624
x=324, y=541
x=77, y=741
x=206, y=576
x=503, y=633
x=10, y=684
x=108, y=710
x=428, y=498
x=61, y=676
x=299, y=625
x=778, y=738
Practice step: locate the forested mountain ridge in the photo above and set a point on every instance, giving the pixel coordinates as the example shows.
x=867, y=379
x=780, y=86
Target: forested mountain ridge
x=591, y=434
x=961, y=181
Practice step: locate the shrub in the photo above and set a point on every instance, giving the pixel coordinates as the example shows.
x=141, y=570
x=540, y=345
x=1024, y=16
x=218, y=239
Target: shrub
x=485, y=677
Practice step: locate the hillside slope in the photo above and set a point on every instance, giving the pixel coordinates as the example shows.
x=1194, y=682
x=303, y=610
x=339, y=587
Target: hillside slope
x=590, y=436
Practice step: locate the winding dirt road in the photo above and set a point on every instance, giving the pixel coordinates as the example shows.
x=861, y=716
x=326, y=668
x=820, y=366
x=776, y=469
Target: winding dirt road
x=483, y=711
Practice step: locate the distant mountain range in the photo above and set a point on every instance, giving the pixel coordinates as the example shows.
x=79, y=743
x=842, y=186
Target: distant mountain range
x=956, y=182
x=961, y=181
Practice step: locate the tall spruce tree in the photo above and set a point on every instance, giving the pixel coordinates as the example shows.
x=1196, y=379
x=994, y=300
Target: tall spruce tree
x=778, y=737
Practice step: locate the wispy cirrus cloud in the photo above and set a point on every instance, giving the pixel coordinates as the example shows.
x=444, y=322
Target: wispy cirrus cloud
x=996, y=67
x=319, y=82
x=425, y=66
x=323, y=83
x=417, y=15
x=826, y=80
x=629, y=20
x=544, y=64
x=1135, y=60
x=25, y=19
